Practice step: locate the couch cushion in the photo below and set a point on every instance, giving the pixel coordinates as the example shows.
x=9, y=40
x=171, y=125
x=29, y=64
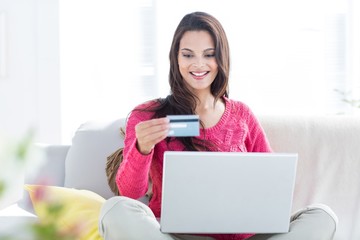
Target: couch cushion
x=86, y=159
x=13, y=222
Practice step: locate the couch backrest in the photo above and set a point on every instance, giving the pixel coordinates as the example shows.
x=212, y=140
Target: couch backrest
x=329, y=163
x=85, y=162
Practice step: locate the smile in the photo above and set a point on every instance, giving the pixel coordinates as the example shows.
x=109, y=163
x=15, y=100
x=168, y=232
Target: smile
x=199, y=74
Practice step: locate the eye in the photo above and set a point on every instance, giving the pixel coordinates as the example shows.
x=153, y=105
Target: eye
x=186, y=55
x=209, y=55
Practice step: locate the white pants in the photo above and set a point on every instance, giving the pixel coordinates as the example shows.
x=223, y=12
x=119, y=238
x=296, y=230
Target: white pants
x=122, y=218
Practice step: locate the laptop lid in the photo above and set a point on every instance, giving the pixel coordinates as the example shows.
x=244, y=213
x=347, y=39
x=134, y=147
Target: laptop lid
x=227, y=192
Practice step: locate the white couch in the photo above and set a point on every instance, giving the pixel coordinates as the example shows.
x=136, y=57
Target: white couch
x=328, y=166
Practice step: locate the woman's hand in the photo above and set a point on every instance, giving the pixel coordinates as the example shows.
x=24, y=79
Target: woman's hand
x=151, y=132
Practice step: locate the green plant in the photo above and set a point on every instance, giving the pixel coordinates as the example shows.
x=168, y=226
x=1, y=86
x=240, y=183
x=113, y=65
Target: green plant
x=2, y=188
x=14, y=156
x=48, y=228
x=346, y=97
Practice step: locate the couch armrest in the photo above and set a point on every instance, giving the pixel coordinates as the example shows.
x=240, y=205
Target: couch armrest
x=50, y=171
x=52, y=168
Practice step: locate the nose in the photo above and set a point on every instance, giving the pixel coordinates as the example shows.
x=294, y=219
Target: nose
x=198, y=62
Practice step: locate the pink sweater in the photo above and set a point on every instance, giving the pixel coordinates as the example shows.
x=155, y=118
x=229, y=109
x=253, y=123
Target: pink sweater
x=237, y=131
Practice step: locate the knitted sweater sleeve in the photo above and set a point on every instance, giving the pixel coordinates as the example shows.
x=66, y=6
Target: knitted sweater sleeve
x=133, y=173
x=256, y=140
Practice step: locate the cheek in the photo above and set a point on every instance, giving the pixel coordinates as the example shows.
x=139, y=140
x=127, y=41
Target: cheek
x=214, y=65
x=215, y=69
x=183, y=67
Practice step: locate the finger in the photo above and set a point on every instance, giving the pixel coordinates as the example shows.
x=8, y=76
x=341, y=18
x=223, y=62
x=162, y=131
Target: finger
x=152, y=126
x=153, y=123
x=149, y=133
x=146, y=144
x=153, y=135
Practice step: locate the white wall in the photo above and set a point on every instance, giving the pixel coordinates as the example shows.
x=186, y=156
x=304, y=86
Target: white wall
x=29, y=79
x=102, y=76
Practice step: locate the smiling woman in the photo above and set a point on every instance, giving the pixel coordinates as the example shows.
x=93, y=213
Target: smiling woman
x=225, y=125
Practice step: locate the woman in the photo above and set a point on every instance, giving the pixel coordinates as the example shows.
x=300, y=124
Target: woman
x=199, y=73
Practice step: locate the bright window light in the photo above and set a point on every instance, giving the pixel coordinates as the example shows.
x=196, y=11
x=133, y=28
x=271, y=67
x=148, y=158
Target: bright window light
x=287, y=57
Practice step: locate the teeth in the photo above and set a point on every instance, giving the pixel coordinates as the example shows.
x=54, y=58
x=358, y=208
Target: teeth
x=198, y=74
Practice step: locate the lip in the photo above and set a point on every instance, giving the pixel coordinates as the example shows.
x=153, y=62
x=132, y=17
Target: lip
x=199, y=75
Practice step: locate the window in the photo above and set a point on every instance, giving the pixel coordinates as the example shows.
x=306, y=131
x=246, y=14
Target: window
x=287, y=57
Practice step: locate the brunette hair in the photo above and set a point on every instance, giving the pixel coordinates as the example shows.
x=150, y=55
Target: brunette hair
x=199, y=21
x=181, y=100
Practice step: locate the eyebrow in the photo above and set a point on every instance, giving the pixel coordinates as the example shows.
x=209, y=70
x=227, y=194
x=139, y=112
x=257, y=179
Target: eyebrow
x=208, y=49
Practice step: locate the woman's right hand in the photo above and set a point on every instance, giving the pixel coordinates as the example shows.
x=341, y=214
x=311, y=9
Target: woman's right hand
x=151, y=132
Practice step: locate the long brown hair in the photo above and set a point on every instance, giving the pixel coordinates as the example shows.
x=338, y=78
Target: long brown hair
x=181, y=100
x=195, y=22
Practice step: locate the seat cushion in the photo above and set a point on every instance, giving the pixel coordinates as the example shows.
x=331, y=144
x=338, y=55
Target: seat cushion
x=14, y=220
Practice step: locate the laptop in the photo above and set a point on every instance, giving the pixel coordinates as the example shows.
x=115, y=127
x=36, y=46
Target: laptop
x=227, y=192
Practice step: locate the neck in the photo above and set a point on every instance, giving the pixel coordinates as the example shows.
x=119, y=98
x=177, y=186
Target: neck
x=208, y=105
x=210, y=112
x=205, y=102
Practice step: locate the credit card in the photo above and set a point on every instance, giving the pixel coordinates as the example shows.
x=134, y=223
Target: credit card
x=184, y=125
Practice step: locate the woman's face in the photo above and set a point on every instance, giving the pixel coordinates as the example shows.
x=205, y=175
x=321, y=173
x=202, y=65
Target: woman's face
x=196, y=59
